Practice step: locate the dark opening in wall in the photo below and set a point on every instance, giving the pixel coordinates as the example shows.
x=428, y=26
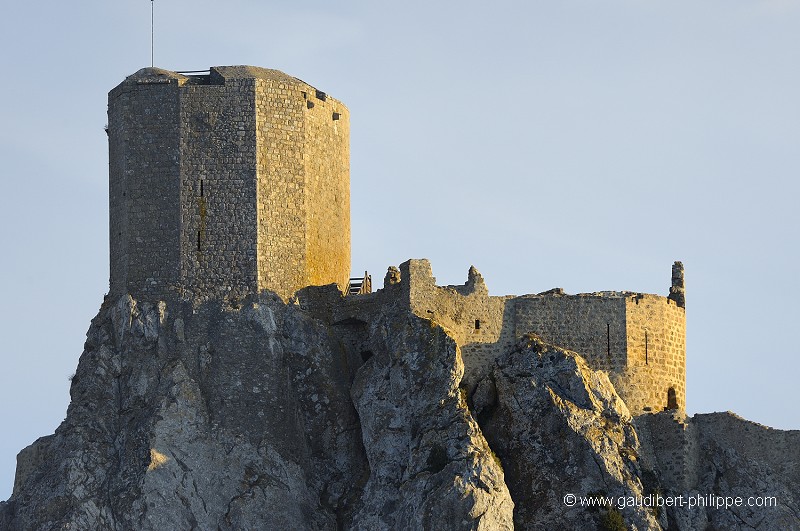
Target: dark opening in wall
x=645, y=348
x=608, y=340
x=310, y=104
x=365, y=355
x=201, y=187
x=198, y=240
x=305, y=95
x=336, y=116
x=477, y=324
x=672, y=399
x=321, y=95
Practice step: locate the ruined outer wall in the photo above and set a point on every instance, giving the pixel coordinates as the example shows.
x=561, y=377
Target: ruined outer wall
x=218, y=195
x=776, y=449
x=656, y=337
x=606, y=328
x=669, y=444
x=143, y=184
x=639, y=339
x=459, y=309
x=679, y=447
x=593, y=325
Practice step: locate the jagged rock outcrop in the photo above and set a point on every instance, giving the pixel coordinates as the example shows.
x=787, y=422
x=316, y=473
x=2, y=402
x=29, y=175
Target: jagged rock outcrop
x=199, y=418
x=559, y=429
x=252, y=414
x=431, y=467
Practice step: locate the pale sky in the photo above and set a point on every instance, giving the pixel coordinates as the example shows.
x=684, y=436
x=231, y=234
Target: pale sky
x=576, y=144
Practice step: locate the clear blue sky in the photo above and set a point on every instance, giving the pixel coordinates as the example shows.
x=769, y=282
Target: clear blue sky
x=577, y=144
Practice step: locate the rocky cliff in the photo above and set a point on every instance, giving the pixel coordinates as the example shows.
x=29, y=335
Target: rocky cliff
x=251, y=414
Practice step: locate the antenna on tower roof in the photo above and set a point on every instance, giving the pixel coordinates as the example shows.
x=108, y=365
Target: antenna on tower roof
x=152, y=32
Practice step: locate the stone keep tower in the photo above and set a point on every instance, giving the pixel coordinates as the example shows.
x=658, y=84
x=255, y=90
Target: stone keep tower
x=226, y=183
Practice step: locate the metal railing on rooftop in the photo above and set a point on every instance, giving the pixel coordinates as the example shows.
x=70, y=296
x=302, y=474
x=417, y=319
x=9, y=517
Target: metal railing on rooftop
x=359, y=285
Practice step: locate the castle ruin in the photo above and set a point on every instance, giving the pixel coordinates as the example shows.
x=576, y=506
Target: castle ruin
x=236, y=181
x=638, y=339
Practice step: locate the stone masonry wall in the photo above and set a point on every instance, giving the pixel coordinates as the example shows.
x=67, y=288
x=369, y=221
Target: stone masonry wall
x=281, y=185
x=143, y=137
x=326, y=163
x=656, y=337
x=593, y=325
x=303, y=161
x=218, y=200
x=606, y=328
x=481, y=325
x=669, y=445
x=640, y=339
x=675, y=445
x=760, y=444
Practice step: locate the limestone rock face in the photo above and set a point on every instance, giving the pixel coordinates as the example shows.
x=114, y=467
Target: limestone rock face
x=250, y=414
x=559, y=428
x=430, y=467
x=198, y=418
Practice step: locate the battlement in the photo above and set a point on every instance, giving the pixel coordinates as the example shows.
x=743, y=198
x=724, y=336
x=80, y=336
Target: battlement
x=231, y=182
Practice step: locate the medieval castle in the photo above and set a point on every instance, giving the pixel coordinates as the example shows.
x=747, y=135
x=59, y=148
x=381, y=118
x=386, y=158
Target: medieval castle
x=236, y=181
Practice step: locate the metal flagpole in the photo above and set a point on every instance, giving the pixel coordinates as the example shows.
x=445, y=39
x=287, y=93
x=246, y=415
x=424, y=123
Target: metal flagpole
x=152, y=32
